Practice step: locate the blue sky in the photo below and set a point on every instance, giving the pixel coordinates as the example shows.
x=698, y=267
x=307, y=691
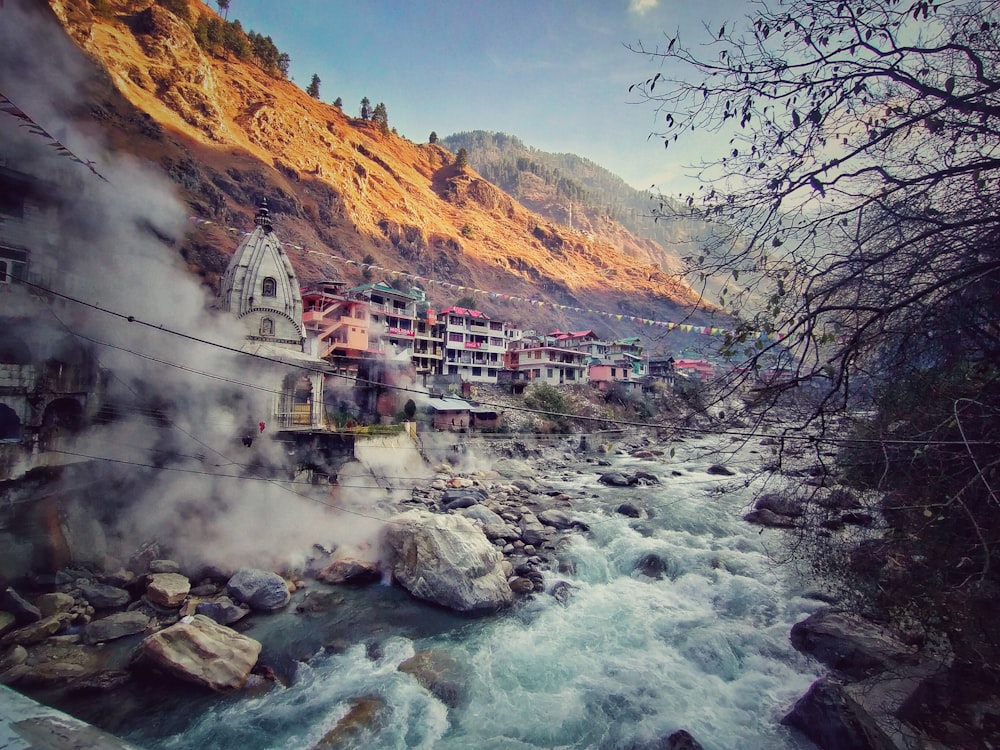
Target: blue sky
x=554, y=73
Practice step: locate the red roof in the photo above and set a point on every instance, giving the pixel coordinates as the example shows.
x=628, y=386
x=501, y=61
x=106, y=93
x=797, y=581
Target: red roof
x=573, y=335
x=464, y=312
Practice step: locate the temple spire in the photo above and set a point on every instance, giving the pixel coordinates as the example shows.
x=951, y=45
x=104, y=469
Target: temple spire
x=263, y=219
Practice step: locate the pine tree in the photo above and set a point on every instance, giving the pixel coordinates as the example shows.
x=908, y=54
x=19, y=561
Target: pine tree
x=433, y=137
x=380, y=116
x=223, y=8
x=338, y=103
x=366, y=109
x=462, y=159
x=313, y=88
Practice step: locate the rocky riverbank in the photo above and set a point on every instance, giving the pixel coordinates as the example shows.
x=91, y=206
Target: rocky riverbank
x=475, y=542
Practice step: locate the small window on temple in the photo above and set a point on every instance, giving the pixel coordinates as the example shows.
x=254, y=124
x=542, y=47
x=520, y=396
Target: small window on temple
x=270, y=287
x=267, y=327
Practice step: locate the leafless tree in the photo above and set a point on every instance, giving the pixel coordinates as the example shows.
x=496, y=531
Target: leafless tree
x=854, y=202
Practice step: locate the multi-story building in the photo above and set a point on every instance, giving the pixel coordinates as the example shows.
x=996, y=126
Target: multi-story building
x=474, y=345
x=536, y=361
x=338, y=323
x=428, y=348
x=50, y=380
x=587, y=342
x=392, y=317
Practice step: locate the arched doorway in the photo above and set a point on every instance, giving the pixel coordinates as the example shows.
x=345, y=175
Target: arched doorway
x=10, y=425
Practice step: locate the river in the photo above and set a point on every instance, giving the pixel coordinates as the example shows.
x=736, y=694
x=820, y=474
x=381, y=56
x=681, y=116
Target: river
x=627, y=658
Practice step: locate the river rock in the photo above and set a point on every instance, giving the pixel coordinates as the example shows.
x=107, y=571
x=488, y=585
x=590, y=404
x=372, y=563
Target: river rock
x=556, y=518
x=54, y=603
x=36, y=632
x=223, y=610
x=533, y=533
x=764, y=517
x=615, y=479
x=827, y=716
x=364, y=715
x=56, y=662
x=201, y=651
x=629, y=510
x=102, y=596
x=719, y=470
x=168, y=589
x=164, y=566
x=779, y=503
x=682, y=740
x=447, y=560
x=462, y=498
x=24, y=611
x=115, y=626
x=439, y=672
x=350, y=570
x=848, y=644
x=494, y=526
x=653, y=566
x=12, y=657
x=261, y=590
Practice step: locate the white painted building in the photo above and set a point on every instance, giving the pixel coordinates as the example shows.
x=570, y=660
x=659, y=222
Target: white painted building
x=474, y=345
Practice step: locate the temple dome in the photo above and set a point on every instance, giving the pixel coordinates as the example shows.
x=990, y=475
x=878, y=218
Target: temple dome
x=260, y=286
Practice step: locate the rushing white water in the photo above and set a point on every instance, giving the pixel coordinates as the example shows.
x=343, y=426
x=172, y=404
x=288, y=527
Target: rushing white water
x=626, y=659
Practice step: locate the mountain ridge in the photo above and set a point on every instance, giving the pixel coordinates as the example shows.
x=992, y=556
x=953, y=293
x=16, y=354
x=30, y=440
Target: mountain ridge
x=229, y=135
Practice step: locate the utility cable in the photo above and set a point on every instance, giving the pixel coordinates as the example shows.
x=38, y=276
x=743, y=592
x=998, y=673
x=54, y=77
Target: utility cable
x=743, y=434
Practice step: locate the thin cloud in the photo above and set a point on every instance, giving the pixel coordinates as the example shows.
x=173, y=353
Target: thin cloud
x=641, y=7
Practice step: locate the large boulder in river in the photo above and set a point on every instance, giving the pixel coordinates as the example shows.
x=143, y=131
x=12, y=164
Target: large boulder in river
x=199, y=650
x=447, y=560
x=260, y=590
x=849, y=644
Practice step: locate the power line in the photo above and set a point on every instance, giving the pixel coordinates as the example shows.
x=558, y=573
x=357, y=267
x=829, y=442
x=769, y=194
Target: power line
x=559, y=415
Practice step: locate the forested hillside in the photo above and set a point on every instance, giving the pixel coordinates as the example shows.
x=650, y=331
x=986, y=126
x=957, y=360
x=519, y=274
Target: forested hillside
x=576, y=192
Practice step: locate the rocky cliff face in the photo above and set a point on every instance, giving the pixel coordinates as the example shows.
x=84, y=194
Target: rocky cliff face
x=229, y=135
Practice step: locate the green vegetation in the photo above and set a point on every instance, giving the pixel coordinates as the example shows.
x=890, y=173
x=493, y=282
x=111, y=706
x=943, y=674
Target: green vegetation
x=313, y=88
x=432, y=138
x=549, y=399
x=366, y=109
x=462, y=158
x=380, y=116
x=218, y=37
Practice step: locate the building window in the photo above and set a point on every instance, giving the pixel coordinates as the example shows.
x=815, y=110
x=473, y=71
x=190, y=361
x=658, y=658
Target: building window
x=548, y=372
x=453, y=336
x=267, y=327
x=477, y=372
x=269, y=288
